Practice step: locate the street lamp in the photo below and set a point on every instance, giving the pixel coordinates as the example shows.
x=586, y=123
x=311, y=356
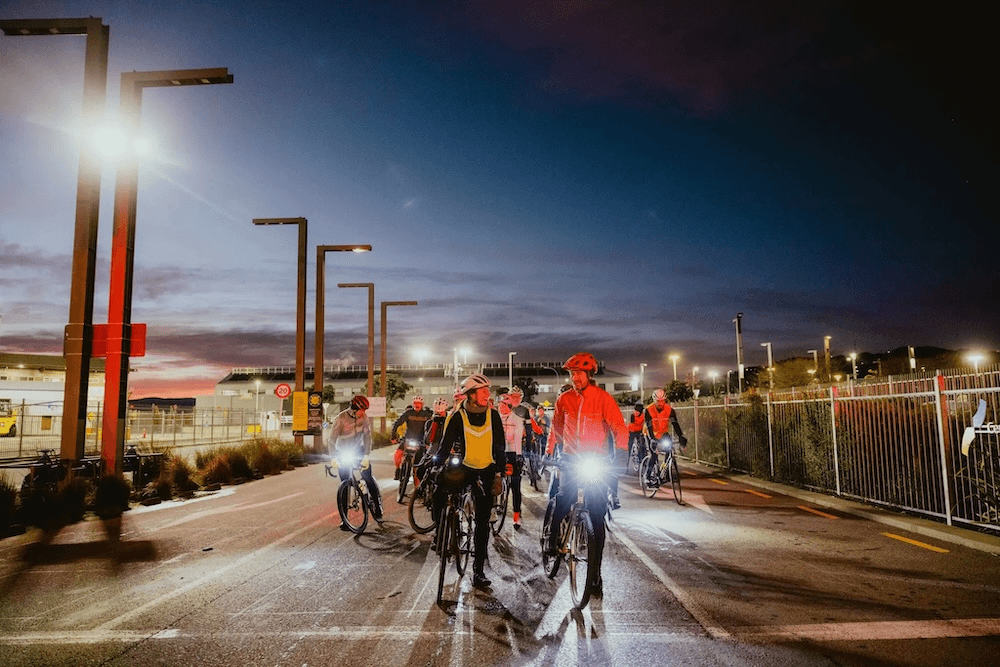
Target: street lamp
x=318, y=375
x=854, y=365
x=642, y=382
x=385, y=305
x=826, y=354
x=300, y=300
x=371, y=331
x=420, y=353
x=815, y=360
x=510, y=370
x=79, y=335
x=714, y=374
x=123, y=252
x=975, y=358
x=770, y=365
x=673, y=358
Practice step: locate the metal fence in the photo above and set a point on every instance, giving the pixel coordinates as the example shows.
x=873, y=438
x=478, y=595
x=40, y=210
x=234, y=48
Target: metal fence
x=39, y=427
x=895, y=442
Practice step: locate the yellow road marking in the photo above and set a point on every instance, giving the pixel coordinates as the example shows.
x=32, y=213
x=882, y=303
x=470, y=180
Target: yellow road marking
x=718, y=481
x=757, y=493
x=823, y=514
x=915, y=543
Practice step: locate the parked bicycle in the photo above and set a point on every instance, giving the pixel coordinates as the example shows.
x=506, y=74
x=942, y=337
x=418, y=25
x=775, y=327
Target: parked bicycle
x=354, y=501
x=577, y=542
x=411, y=451
x=659, y=468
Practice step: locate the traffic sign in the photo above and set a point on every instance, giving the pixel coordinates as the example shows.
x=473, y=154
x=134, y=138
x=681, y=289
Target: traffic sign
x=282, y=391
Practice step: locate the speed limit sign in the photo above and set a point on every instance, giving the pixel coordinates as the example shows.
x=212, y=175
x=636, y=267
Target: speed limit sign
x=282, y=391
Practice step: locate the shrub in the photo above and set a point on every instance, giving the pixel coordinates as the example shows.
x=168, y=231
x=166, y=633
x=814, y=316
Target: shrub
x=8, y=505
x=217, y=470
x=112, y=496
x=72, y=500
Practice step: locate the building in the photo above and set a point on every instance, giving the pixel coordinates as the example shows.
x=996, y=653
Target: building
x=254, y=387
x=39, y=379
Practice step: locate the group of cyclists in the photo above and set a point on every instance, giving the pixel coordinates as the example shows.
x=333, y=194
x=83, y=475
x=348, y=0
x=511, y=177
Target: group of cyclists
x=490, y=440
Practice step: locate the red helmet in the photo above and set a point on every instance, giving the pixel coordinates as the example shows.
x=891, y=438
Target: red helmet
x=359, y=402
x=581, y=361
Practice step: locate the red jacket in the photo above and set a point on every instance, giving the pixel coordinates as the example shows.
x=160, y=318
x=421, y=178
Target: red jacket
x=583, y=421
x=638, y=419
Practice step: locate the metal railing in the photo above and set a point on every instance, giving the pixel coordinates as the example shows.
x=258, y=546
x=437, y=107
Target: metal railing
x=894, y=443
x=39, y=427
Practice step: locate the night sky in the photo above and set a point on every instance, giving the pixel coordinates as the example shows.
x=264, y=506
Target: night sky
x=618, y=177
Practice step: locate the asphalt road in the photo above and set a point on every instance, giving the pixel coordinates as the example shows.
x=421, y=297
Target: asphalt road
x=260, y=574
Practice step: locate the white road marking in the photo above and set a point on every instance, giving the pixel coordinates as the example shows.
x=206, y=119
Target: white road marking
x=876, y=630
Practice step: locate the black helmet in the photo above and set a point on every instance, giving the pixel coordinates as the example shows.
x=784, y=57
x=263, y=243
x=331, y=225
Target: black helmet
x=638, y=407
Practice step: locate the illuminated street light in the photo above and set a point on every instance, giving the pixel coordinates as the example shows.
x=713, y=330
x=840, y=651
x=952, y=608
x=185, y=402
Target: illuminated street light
x=826, y=354
x=714, y=374
x=642, y=382
x=79, y=334
x=420, y=353
x=385, y=305
x=853, y=356
x=300, y=300
x=976, y=358
x=673, y=359
x=371, y=331
x=318, y=375
x=119, y=342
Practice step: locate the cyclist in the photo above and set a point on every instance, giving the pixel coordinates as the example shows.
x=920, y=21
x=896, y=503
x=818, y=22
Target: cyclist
x=432, y=438
x=513, y=432
x=475, y=432
x=583, y=420
x=657, y=419
x=531, y=429
x=352, y=432
x=409, y=426
x=544, y=423
x=635, y=437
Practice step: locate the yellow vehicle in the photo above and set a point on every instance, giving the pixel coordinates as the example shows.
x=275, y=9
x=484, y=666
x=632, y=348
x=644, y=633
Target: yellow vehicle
x=8, y=418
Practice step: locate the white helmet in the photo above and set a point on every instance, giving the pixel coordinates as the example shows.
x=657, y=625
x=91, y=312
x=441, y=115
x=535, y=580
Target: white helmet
x=473, y=382
x=417, y=398
x=659, y=395
x=441, y=404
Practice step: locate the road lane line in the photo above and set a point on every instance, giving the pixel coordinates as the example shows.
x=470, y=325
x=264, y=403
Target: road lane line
x=875, y=630
x=758, y=493
x=699, y=613
x=915, y=543
x=212, y=575
x=817, y=512
x=721, y=482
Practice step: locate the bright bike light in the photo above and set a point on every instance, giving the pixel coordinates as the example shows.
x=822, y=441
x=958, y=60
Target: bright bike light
x=589, y=467
x=455, y=461
x=347, y=459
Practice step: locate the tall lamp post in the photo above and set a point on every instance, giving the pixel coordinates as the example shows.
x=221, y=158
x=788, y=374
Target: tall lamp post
x=642, y=382
x=318, y=375
x=300, y=300
x=854, y=365
x=123, y=253
x=510, y=370
x=740, y=368
x=673, y=359
x=79, y=333
x=770, y=365
x=826, y=355
x=371, y=331
x=385, y=305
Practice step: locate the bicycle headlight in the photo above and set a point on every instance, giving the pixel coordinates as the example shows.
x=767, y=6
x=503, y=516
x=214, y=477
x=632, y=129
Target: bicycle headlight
x=347, y=459
x=665, y=444
x=590, y=468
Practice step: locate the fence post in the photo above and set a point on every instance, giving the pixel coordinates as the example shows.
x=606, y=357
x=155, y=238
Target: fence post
x=939, y=409
x=770, y=434
x=833, y=431
x=20, y=438
x=696, y=460
x=97, y=428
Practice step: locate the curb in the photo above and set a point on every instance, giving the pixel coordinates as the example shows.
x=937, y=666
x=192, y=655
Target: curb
x=953, y=534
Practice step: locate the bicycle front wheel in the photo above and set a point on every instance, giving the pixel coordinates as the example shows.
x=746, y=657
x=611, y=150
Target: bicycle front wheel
x=582, y=558
x=404, y=478
x=675, y=480
x=420, y=510
x=550, y=562
x=444, y=538
x=353, y=508
x=647, y=476
x=633, y=459
x=500, y=508
x=464, y=532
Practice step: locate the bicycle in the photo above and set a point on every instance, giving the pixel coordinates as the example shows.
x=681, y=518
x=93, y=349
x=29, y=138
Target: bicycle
x=500, y=503
x=410, y=450
x=456, y=527
x=634, y=457
x=577, y=541
x=651, y=476
x=354, y=502
x=532, y=467
x=420, y=511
